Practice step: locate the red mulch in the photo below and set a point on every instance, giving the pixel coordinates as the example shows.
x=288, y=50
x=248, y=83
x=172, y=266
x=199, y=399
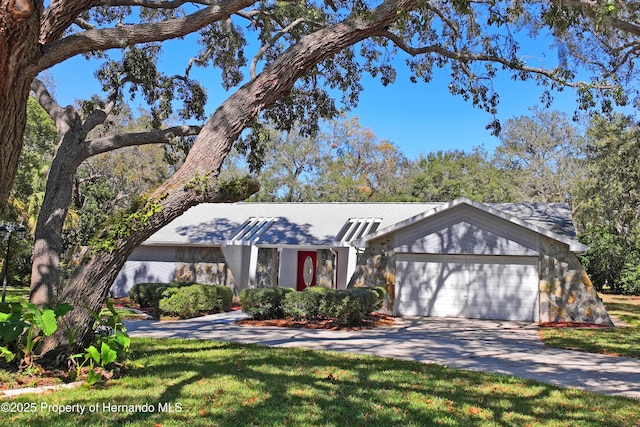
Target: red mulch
x=571, y=325
x=372, y=321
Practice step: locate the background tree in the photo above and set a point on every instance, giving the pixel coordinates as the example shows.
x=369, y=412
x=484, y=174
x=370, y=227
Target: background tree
x=290, y=167
x=608, y=207
x=358, y=166
x=446, y=175
x=544, y=152
x=28, y=189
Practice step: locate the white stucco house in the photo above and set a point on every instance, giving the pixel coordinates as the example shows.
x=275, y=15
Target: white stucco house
x=456, y=259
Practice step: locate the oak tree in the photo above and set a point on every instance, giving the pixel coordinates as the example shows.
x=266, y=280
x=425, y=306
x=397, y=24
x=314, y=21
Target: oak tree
x=306, y=53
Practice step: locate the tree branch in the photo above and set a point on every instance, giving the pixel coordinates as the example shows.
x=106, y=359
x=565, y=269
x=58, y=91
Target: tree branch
x=46, y=101
x=110, y=143
x=127, y=35
x=264, y=48
x=157, y=4
x=470, y=57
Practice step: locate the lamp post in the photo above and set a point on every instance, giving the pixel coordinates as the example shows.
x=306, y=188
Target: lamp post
x=6, y=232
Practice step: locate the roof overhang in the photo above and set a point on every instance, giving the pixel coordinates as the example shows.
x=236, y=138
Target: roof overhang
x=574, y=245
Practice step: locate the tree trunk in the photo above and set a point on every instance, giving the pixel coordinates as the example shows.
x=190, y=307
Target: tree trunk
x=45, y=269
x=19, y=24
x=90, y=283
x=196, y=181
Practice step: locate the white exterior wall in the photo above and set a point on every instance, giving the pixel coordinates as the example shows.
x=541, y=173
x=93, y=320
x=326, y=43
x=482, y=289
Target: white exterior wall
x=237, y=259
x=466, y=230
x=287, y=276
x=342, y=276
x=146, y=264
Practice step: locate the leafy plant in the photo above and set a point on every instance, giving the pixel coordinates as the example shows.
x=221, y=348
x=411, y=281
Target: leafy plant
x=111, y=345
x=23, y=326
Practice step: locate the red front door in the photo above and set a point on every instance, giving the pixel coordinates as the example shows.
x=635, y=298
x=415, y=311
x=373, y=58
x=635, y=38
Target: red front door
x=306, y=269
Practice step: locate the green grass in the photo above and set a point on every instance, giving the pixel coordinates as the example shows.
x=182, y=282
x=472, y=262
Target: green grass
x=224, y=384
x=17, y=294
x=620, y=341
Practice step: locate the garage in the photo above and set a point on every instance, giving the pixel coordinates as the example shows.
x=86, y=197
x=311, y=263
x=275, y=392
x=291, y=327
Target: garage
x=472, y=286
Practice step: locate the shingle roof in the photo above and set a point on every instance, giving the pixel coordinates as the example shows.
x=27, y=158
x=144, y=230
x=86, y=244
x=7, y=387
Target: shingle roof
x=320, y=224
x=311, y=224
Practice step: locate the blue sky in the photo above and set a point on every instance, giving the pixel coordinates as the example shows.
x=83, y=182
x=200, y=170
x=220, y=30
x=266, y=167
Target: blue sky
x=418, y=118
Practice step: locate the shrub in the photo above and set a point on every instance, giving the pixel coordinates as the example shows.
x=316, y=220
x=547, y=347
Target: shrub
x=224, y=298
x=148, y=295
x=381, y=291
x=187, y=301
x=264, y=303
x=629, y=282
x=345, y=307
x=368, y=298
x=303, y=305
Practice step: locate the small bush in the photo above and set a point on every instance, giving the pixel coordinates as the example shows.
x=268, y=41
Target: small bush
x=303, y=305
x=345, y=307
x=148, y=295
x=188, y=301
x=381, y=291
x=264, y=303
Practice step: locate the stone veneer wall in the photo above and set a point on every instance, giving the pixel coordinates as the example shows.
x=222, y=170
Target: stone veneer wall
x=566, y=293
x=376, y=266
x=267, y=268
x=202, y=265
x=325, y=268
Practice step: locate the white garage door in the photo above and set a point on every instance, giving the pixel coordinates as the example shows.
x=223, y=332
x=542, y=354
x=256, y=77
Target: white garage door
x=479, y=287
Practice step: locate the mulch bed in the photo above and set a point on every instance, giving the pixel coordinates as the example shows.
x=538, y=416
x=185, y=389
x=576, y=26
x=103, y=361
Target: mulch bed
x=373, y=321
x=572, y=325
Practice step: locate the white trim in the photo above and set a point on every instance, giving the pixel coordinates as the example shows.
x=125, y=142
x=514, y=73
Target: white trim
x=251, y=231
x=574, y=245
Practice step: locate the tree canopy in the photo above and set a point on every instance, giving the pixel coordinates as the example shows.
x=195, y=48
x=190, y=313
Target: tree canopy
x=474, y=40
x=306, y=63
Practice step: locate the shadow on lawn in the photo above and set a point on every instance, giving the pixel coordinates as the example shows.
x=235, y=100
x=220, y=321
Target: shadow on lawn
x=228, y=384
x=291, y=386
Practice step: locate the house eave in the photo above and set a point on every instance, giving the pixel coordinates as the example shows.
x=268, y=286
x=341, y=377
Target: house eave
x=574, y=246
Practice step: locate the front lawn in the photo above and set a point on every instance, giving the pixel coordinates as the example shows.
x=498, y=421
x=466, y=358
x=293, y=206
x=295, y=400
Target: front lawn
x=17, y=294
x=620, y=341
x=204, y=383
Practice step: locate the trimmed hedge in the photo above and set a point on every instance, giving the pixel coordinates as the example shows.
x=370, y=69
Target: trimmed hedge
x=149, y=294
x=188, y=301
x=303, y=305
x=264, y=303
x=346, y=307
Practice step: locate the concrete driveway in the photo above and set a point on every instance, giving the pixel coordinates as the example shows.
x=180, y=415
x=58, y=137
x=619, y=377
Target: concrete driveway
x=511, y=348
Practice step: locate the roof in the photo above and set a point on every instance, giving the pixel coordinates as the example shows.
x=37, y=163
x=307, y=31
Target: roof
x=551, y=220
x=336, y=224
x=294, y=224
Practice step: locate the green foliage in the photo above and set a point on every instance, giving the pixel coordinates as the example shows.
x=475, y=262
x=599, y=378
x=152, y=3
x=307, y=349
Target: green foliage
x=347, y=307
x=303, y=305
x=125, y=223
x=110, y=346
x=609, y=201
x=148, y=295
x=264, y=303
x=543, y=154
x=188, y=301
x=629, y=281
x=23, y=326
